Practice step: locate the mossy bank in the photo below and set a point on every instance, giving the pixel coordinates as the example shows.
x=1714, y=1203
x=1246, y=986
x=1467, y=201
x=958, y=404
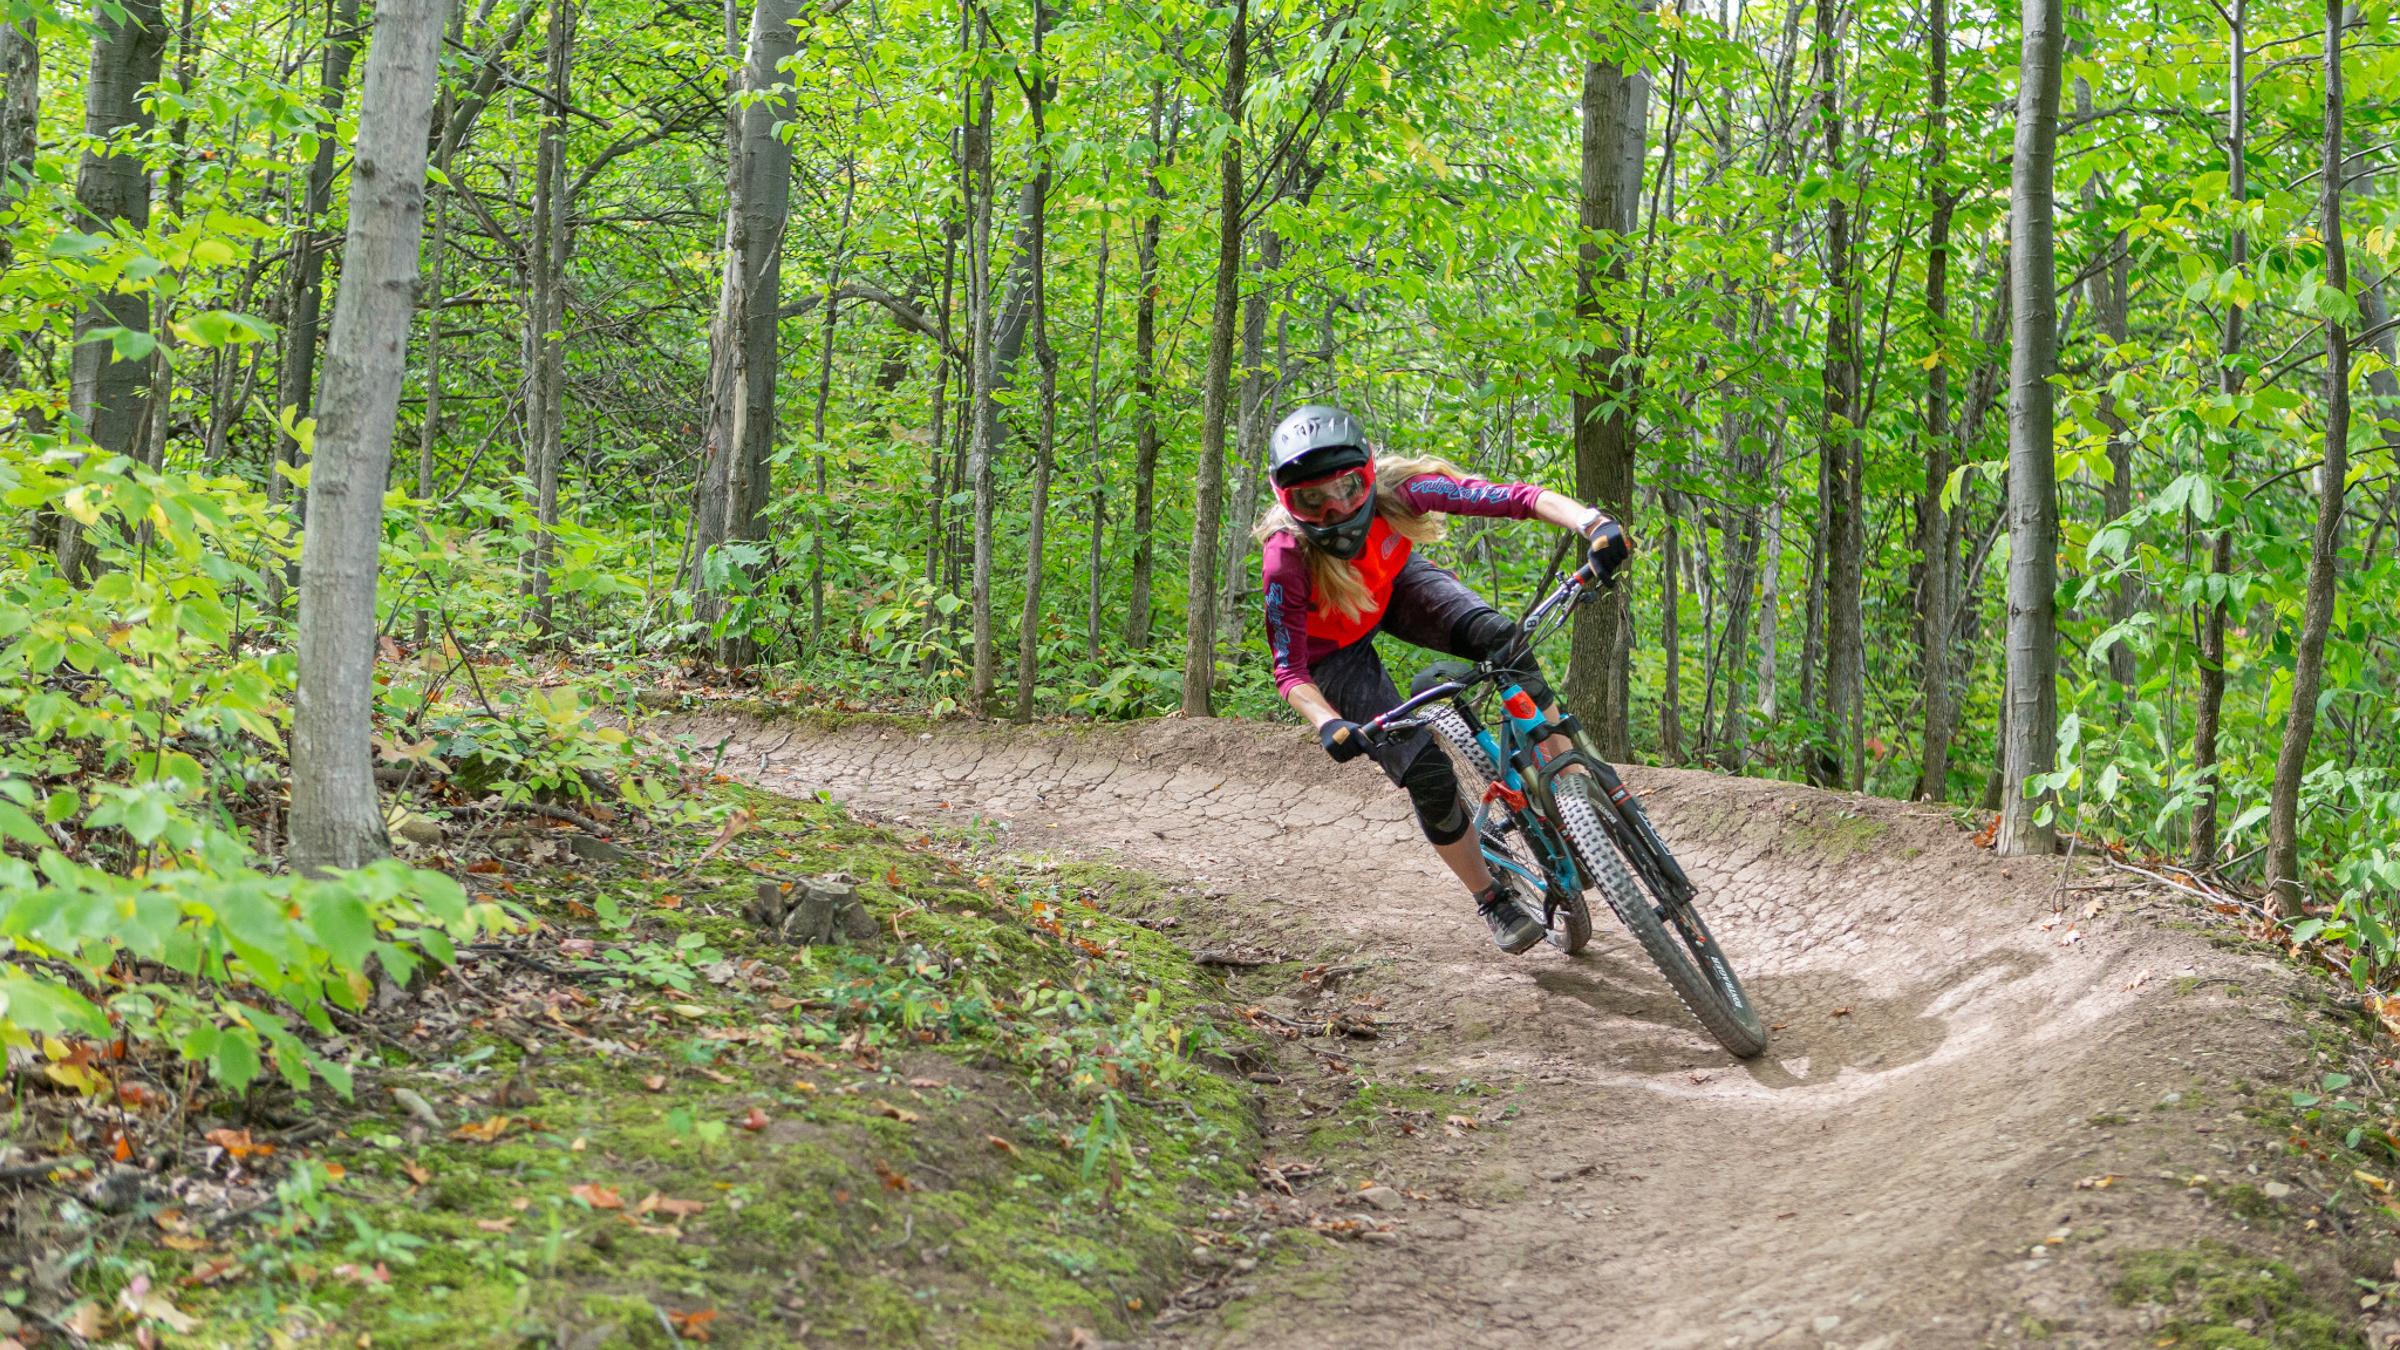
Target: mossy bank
x=999, y=1121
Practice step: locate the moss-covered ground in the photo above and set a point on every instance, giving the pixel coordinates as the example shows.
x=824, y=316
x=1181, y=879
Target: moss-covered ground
x=1003, y=1120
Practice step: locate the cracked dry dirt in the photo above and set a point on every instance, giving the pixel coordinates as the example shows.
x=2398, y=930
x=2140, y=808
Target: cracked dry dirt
x=1943, y=1070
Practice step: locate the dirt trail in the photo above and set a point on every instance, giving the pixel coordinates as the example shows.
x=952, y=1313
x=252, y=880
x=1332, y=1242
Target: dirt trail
x=1945, y=1069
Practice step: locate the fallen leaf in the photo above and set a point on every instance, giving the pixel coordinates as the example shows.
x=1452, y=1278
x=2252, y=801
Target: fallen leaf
x=487, y=867
x=926, y=1084
x=417, y=1174
x=184, y=1242
x=482, y=1131
x=237, y=1143
x=496, y=1225
x=1841, y=1012
x=693, y=1326
x=1001, y=1144
x=803, y=1085
x=1463, y=1122
x=654, y=1203
x=598, y=1197
x=884, y=1108
x=656, y=1082
x=670, y=902
x=2140, y=978
x=892, y=1181
x=755, y=1120
x=210, y=1272
x=2096, y=1183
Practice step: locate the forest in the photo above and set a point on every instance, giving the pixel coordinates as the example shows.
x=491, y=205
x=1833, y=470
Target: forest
x=396, y=396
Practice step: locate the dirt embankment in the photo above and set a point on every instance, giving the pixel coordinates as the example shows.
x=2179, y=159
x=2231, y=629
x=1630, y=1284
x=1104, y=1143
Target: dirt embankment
x=2006, y=1102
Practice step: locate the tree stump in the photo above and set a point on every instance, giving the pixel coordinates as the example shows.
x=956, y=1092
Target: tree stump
x=815, y=912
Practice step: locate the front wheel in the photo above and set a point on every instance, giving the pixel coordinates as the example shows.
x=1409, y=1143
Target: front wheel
x=1695, y=966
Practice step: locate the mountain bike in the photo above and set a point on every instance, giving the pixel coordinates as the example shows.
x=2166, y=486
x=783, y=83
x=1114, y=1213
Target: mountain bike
x=1540, y=820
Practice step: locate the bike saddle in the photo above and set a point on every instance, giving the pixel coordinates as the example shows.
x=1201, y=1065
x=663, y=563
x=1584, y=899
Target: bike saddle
x=1440, y=672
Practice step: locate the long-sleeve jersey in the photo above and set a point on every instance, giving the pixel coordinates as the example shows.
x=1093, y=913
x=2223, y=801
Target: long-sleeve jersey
x=1301, y=629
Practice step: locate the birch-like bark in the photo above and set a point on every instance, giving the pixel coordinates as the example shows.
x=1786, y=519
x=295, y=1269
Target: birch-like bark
x=2285, y=890
x=742, y=350
x=20, y=114
x=335, y=820
x=1200, y=629
x=2030, y=744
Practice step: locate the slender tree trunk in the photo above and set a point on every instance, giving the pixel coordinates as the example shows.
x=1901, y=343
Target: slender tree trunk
x=2208, y=716
x=1845, y=470
x=296, y=378
x=20, y=114
x=827, y=331
x=1045, y=359
x=1670, y=633
x=1200, y=631
x=1770, y=589
x=545, y=340
x=335, y=821
x=1250, y=440
x=742, y=337
x=1145, y=385
x=2031, y=744
x=1936, y=535
x=2285, y=890
x=1615, y=110
x=1096, y=570
x=105, y=396
x=985, y=425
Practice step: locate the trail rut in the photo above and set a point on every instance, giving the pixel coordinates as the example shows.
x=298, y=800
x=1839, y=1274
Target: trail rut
x=1957, y=1042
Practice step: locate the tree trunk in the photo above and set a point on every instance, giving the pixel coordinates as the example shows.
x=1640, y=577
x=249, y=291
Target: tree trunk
x=983, y=424
x=1045, y=359
x=829, y=327
x=20, y=113
x=2285, y=890
x=1615, y=109
x=2031, y=744
x=1096, y=570
x=1145, y=378
x=2210, y=713
x=545, y=318
x=1845, y=470
x=1770, y=589
x=1250, y=440
x=1670, y=634
x=105, y=397
x=295, y=386
x=742, y=351
x=335, y=822
x=1936, y=537
x=1200, y=629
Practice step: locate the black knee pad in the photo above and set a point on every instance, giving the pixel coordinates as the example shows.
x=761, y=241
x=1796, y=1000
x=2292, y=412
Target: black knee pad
x=1489, y=635
x=1433, y=790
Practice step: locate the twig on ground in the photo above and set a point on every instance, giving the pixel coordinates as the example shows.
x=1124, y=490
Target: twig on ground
x=543, y=809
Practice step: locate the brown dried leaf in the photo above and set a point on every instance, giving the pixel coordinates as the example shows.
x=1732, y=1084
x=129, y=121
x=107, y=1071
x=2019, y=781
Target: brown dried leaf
x=598, y=1197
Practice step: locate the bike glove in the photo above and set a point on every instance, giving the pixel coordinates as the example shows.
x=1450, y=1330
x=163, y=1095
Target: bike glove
x=1344, y=740
x=1611, y=546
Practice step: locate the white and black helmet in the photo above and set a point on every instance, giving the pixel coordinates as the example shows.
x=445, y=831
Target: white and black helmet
x=1317, y=444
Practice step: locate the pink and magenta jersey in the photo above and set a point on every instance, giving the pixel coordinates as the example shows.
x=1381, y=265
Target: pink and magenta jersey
x=1300, y=630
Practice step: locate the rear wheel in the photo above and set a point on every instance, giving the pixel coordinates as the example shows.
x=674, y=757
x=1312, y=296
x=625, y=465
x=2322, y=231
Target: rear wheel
x=1674, y=938
x=1566, y=920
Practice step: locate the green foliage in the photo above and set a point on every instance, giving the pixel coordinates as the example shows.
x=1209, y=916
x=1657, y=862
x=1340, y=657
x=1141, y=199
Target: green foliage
x=140, y=741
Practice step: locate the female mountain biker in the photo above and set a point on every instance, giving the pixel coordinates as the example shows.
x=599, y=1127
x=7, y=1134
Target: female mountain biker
x=1338, y=568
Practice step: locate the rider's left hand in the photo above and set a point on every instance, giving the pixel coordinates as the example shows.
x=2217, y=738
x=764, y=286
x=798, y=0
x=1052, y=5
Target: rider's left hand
x=1610, y=545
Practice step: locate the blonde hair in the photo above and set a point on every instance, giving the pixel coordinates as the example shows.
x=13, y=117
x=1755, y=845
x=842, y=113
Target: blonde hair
x=1335, y=580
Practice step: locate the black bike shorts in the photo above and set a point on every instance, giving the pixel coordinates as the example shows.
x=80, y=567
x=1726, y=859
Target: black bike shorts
x=1430, y=608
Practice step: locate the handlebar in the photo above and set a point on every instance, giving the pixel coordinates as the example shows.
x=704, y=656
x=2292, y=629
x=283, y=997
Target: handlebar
x=1539, y=622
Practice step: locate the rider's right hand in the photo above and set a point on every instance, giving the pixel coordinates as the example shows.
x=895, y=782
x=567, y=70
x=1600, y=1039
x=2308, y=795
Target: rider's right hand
x=1344, y=740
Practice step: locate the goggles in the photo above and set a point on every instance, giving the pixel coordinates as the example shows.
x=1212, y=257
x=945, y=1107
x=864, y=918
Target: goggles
x=1336, y=496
